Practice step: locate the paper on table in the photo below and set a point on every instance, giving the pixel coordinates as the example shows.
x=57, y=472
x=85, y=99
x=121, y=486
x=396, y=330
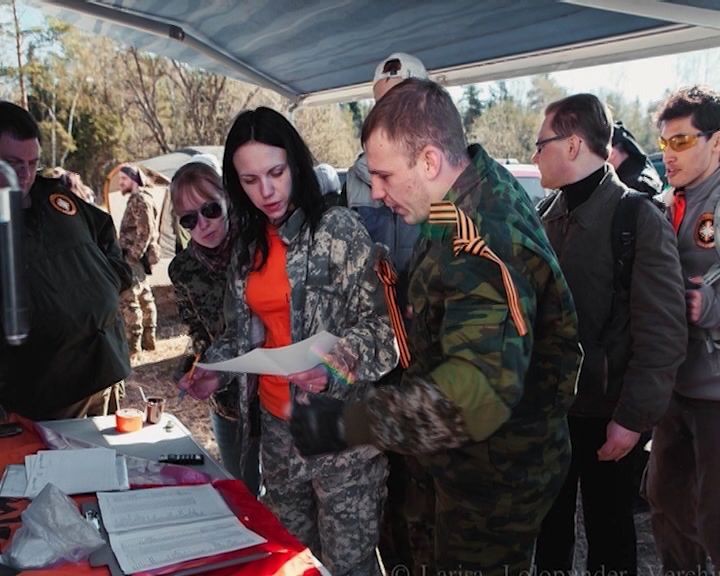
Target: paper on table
x=75, y=471
x=14, y=481
x=161, y=526
x=282, y=361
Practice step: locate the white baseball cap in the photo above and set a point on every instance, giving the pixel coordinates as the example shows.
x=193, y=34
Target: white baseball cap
x=400, y=65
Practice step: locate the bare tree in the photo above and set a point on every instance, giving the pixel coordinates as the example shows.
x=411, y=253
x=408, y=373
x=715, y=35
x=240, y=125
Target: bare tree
x=143, y=82
x=18, y=53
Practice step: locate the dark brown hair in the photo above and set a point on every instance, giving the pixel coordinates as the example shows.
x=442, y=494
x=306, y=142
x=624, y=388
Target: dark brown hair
x=701, y=103
x=586, y=116
x=417, y=113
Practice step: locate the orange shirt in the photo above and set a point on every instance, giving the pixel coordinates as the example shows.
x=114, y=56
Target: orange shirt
x=268, y=296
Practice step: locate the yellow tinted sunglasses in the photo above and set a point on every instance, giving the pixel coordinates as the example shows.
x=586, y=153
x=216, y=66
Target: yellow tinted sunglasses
x=681, y=142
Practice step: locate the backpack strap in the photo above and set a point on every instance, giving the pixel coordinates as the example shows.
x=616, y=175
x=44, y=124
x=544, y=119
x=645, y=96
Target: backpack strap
x=544, y=204
x=623, y=234
x=467, y=239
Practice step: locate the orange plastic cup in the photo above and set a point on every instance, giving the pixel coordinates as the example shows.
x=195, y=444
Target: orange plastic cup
x=128, y=420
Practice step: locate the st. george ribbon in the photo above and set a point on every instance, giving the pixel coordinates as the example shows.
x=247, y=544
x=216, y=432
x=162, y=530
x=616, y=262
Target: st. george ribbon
x=15, y=311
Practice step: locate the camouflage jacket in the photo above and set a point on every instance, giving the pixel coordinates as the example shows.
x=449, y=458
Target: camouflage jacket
x=334, y=287
x=474, y=377
x=199, y=293
x=138, y=228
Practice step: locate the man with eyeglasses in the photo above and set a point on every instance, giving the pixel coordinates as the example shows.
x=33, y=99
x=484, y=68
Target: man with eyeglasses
x=139, y=242
x=684, y=468
x=75, y=357
x=633, y=338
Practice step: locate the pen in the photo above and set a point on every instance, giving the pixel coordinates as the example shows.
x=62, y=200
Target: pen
x=183, y=392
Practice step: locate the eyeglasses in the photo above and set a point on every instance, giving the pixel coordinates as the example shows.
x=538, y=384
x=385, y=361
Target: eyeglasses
x=681, y=142
x=210, y=210
x=540, y=143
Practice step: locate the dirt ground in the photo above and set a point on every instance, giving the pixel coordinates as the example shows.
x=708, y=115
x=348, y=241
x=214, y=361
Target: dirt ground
x=155, y=372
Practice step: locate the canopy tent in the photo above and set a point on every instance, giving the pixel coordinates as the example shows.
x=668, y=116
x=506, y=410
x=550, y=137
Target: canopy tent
x=319, y=51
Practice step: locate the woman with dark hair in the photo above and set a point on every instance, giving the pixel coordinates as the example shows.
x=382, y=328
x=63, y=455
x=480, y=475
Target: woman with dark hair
x=298, y=269
x=199, y=277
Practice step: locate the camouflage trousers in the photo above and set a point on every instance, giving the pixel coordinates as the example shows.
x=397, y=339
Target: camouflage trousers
x=138, y=308
x=491, y=498
x=408, y=528
x=335, y=513
x=101, y=403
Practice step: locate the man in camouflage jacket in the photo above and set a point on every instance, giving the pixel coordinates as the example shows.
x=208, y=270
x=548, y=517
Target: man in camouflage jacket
x=139, y=241
x=493, y=340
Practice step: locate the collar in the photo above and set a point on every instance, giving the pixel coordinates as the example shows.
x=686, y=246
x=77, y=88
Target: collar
x=578, y=192
x=460, y=193
x=293, y=225
x=601, y=199
x=700, y=193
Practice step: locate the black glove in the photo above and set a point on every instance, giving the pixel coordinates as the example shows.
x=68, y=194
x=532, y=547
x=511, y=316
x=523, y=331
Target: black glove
x=317, y=427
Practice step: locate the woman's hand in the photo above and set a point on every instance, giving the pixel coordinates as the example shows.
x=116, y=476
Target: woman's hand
x=200, y=383
x=314, y=380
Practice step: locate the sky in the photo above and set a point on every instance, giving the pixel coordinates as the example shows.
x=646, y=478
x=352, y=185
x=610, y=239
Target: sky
x=648, y=79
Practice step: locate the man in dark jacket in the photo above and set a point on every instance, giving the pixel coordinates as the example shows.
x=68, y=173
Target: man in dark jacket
x=633, y=342
x=75, y=357
x=632, y=165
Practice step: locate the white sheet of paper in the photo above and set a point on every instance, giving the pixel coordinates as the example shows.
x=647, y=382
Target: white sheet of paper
x=73, y=471
x=14, y=481
x=282, y=361
x=161, y=526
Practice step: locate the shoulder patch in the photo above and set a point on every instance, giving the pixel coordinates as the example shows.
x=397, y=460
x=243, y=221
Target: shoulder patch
x=705, y=231
x=63, y=203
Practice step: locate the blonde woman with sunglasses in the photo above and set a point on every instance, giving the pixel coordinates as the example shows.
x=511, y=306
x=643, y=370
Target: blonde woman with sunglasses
x=198, y=275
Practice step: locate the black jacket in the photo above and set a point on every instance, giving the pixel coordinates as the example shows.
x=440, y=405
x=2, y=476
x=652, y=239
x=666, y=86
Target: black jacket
x=74, y=273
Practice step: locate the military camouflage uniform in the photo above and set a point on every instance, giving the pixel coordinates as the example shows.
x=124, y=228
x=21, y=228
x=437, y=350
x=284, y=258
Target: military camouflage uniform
x=483, y=406
x=137, y=230
x=332, y=503
x=199, y=293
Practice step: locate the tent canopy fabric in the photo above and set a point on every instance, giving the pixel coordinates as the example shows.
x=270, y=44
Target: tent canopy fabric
x=320, y=51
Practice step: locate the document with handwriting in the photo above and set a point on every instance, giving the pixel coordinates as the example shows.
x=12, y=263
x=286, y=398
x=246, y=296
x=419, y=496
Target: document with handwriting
x=161, y=526
x=281, y=361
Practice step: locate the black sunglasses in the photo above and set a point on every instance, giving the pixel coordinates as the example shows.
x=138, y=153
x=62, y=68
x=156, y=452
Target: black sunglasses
x=210, y=210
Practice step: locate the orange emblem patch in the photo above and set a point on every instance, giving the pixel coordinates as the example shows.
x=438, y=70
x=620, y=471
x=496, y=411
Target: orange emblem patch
x=64, y=204
x=705, y=231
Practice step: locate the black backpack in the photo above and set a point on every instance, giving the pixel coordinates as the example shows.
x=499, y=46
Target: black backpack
x=623, y=233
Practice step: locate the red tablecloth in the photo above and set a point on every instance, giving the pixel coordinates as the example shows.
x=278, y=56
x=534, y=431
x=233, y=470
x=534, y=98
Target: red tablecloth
x=288, y=557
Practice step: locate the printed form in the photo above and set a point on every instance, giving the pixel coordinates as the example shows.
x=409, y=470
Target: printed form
x=161, y=526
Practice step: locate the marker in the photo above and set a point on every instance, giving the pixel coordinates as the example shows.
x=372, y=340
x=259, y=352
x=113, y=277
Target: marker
x=183, y=392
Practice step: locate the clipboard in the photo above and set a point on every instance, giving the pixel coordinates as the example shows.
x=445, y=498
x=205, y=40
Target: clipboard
x=105, y=557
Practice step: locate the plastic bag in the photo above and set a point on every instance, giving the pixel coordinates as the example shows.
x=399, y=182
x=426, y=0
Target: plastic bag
x=52, y=531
